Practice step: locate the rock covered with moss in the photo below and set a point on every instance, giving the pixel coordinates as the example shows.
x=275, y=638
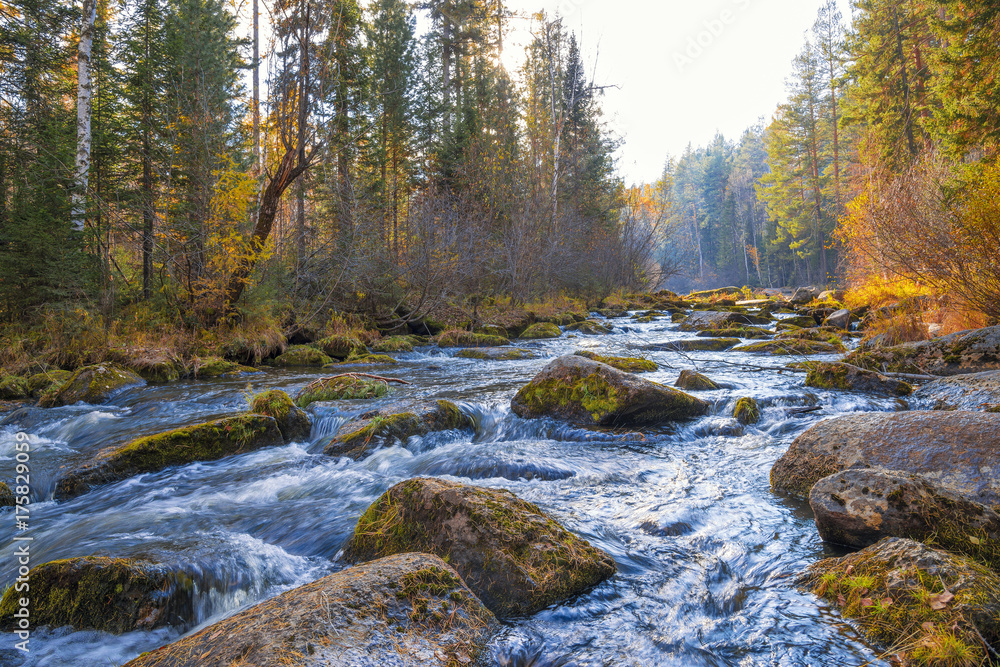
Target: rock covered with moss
x=960, y=450
x=458, y=338
x=510, y=553
x=700, y=320
x=789, y=346
x=13, y=388
x=541, y=330
x=201, y=442
x=342, y=346
x=302, y=355
x=110, y=594
x=340, y=388
x=587, y=392
x=627, y=364
x=694, y=345
x=746, y=411
x=46, y=381
x=590, y=328
x=366, y=360
x=6, y=495
x=91, y=384
x=925, y=604
x=394, y=344
x=735, y=332
x=372, y=430
x=693, y=381
x=407, y=610
x=857, y=508
x=496, y=354
x=845, y=377
x=214, y=367
x=975, y=391
x=959, y=353
x=293, y=422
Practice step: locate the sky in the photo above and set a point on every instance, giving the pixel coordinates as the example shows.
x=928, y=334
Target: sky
x=684, y=69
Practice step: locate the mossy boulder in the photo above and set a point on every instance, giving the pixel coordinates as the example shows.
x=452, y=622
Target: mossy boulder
x=627, y=364
x=510, y=553
x=711, y=293
x=924, y=604
x=840, y=319
x=959, y=353
x=857, y=508
x=458, y=338
x=214, y=367
x=694, y=345
x=612, y=312
x=13, y=388
x=746, y=410
x=91, y=384
x=975, y=391
x=46, y=381
x=393, y=344
x=340, y=388
x=6, y=496
x=789, y=346
x=804, y=295
x=113, y=595
x=341, y=346
x=700, y=320
x=159, y=371
x=367, y=433
x=201, y=442
x=366, y=360
x=496, y=354
x=590, y=328
x=820, y=334
x=293, y=422
x=796, y=322
x=693, y=381
x=302, y=355
x=407, y=610
x=960, y=450
x=541, y=330
x=587, y=392
x=736, y=332
x=560, y=319
x=845, y=377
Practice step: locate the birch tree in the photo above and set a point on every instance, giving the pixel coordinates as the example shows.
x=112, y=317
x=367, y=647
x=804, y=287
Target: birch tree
x=83, y=107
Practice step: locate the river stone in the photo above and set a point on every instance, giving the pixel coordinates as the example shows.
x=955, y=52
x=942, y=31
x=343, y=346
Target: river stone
x=840, y=319
x=857, y=508
x=845, y=377
x=975, y=391
x=959, y=353
x=709, y=293
x=611, y=313
x=588, y=392
x=542, y=330
x=902, y=605
x=804, y=295
x=293, y=422
x=201, y=442
x=796, y=321
x=13, y=388
x=6, y=496
x=342, y=346
x=510, y=553
x=394, y=344
x=408, y=610
x=46, y=381
x=457, y=338
x=747, y=410
x=365, y=434
x=302, y=355
x=496, y=353
x=627, y=364
x=738, y=332
x=91, y=384
x=693, y=381
x=114, y=595
x=789, y=346
x=214, y=367
x=590, y=327
x=700, y=320
x=955, y=449
x=694, y=345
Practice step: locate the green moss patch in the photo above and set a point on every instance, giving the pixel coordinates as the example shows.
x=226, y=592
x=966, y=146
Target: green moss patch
x=367, y=360
x=91, y=384
x=458, y=338
x=692, y=381
x=844, y=377
x=543, y=330
x=13, y=388
x=590, y=327
x=393, y=344
x=363, y=435
x=302, y=355
x=344, y=387
x=342, y=346
x=292, y=421
x=627, y=364
x=790, y=346
x=496, y=354
x=213, y=367
x=746, y=411
x=46, y=381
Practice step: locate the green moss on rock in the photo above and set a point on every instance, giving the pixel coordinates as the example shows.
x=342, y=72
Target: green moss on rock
x=367, y=360
x=109, y=594
x=496, y=354
x=627, y=364
x=514, y=557
x=589, y=327
x=746, y=411
x=91, y=384
x=213, y=367
x=693, y=381
x=458, y=338
x=393, y=344
x=293, y=422
x=302, y=355
x=342, y=346
x=6, y=496
x=790, y=346
x=41, y=383
x=201, y=442
x=13, y=388
x=542, y=330
x=361, y=436
x=844, y=377
x=345, y=387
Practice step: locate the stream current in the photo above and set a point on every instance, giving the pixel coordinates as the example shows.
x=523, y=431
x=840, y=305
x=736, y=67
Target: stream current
x=706, y=552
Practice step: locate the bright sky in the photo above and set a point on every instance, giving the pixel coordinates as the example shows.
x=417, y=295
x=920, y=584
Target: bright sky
x=685, y=69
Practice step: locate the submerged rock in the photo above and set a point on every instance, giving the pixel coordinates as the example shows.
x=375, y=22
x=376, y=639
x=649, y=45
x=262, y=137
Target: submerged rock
x=975, y=391
x=627, y=364
x=293, y=422
x=408, y=610
x=360, y=436
x=302, y=355
x=91, y=384
x=955, y=354
x=914, y=599
x=113, y=595
x=960, y=450
x=693, y=381
x=514, y=557
x=588, y=392
x=845, y=377
x=857, y=508
x=496, y=354
x=201, y=442
x=543, y=330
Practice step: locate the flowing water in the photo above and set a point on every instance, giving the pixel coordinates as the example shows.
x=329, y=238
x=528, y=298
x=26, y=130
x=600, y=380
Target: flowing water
x=706, y=552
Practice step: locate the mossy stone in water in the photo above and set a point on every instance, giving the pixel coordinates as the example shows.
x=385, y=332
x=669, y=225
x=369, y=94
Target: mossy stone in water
x=542, y=330
x=366, y=360
x=344, y=387
x=358, y=437
x=46, y=381
x=6, y=495
x=114, y=595
x=457, y=338
x=513, y=556
x=590, y=327
x=201, y=442
x=790, y=346
x=393, y=344
x=91, y=384
x=496, y=354
x=627, y=364
x=693, y=381
x=302, y=355
x=342, y=346
x=746, y=411
x=845, y=377
x=293, y=422
x=13, y=388
x=214, y=367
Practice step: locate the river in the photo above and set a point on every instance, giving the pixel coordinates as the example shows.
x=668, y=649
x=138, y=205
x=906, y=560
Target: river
x=705, y=551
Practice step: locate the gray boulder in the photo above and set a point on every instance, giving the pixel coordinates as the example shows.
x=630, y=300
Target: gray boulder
x=975, y=391
x=959, y=353
x=840, y=319
x=700, y=320
x=804, y=295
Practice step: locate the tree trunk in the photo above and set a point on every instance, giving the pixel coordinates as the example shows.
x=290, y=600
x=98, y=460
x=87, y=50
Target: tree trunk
x=907, y=110
x=256, y=88
x=83, y=106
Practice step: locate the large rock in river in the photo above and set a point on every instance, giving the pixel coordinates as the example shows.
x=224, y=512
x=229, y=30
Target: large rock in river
x=588, y=392
x=960, y=450
x=91, y=384
x=514, y=557
x=410, y=610
x=975, y=391
x=110, y=594
x=955, y=354
x=395, y=424
x=857, y=508
x=716, y=319
x=201, y=442
x=293, y=422
x=845, y=377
